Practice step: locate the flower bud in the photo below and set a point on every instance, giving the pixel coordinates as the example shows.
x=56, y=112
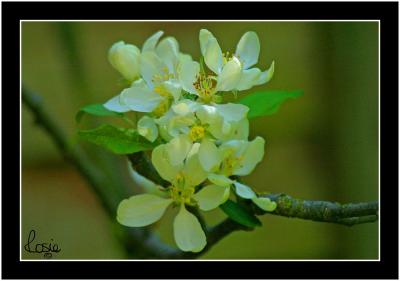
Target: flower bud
x=147, y=128
x=125, y=58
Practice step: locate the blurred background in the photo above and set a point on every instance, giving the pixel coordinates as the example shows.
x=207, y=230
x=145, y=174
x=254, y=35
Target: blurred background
x=321, y=146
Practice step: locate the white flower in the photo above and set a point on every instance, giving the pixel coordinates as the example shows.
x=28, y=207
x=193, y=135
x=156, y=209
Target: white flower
x=198, y=121
x=140, y=97
x=205, y=86
x=225, y=121
x=234, y=157
x=177, y=162
x=147, y=128
x=159, y=87
x=228, y=69
x=247, y=53
x=125, y=58
x=178, y=120
x=206, y=141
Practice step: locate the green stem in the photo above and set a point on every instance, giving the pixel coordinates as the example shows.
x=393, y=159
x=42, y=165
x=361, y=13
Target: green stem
x=323, y=211
x=129, y=121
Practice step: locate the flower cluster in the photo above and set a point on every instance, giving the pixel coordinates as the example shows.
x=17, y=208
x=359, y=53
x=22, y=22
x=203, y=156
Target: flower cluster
x=204, y=142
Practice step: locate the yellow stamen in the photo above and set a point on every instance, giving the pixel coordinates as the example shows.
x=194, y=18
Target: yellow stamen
x=161, y=91
x=164, y=105
x=196, y=133
x=230, y=163
x=180, y=180
x=162, y=108
x=164, y=76
x=181, y=194
x=226, y=57
x=205, y=86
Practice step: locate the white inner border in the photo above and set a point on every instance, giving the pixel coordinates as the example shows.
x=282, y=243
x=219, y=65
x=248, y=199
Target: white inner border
x=181, y=21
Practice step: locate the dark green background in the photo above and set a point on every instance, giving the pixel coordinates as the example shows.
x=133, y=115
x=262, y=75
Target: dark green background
x=321, y=146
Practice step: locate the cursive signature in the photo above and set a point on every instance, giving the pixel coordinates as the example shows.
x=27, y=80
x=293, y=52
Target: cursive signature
x=46, y=248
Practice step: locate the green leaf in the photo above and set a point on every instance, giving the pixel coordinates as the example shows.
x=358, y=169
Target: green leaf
x=97, y=109
x=267, y=102
x=239, y=214
x=118, y=140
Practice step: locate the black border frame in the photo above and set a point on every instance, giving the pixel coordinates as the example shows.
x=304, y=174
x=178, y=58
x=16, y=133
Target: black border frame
x=386, y=12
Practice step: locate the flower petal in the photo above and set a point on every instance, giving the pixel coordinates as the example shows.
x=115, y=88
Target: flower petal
x=249, y=78
x=114, y=104
x=264, y=203
x=125, y=58
x=177, y=149
x=174, y=124
x=213, y=56
x=151, y=42
x=140, y=83
x=174, y=88
x=188, y=72
x=240, y=130
x=189, y=235
x=193, y=150
x=266, y=75
x=211, y=196
x=232, y=112
x=152, y=68
x=253, y=154
x=193, y=171
x=220, y=180
x=204, y=36
x=184, y=58
x=233, y=147
x=140, y=99
x=141, y=210
x=209, y=156
x=147, y=128
x=180, y=124
x=229, y=78
x=244, y=191
x=164, y=133
x=161, y=162
x=248, y=49
x=168, y=51
x=185, y=107
x=208, y=114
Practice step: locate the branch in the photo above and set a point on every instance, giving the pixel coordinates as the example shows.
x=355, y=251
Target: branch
x=147, y=245
x=136, y=240
x=287, y=206
x=324, y=211
x=74, y=155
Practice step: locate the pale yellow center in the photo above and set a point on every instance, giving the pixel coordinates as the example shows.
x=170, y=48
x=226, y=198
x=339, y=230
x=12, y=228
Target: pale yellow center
x=196, y=133
x=229, y=164
x=164, y=105
x=181, y=193
x=163, y=76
